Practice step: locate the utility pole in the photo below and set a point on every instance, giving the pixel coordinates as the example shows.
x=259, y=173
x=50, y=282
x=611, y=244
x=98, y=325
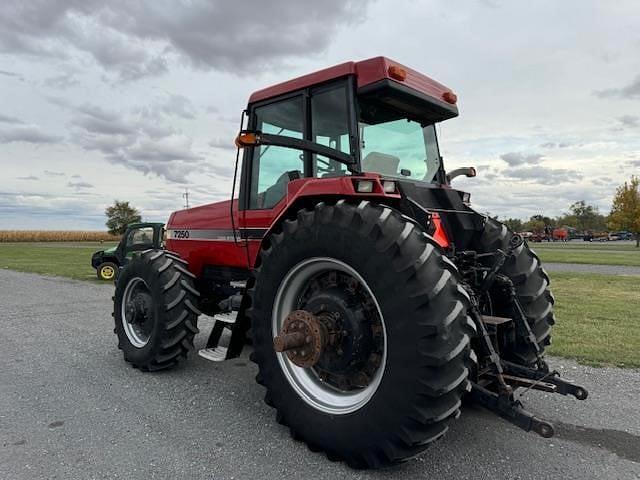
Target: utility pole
x=185, y=195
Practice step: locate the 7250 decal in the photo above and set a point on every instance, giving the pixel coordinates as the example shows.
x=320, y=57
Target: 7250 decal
x=181, y=234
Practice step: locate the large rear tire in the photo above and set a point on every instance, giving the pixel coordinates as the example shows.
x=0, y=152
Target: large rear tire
x=155, y=310
x=532, y=288
x=417, y=387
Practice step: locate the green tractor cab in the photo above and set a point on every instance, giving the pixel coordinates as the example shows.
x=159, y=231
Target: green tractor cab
x=137, y=237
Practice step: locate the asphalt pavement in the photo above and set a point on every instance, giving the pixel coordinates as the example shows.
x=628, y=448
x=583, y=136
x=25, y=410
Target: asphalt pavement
x=70, y=408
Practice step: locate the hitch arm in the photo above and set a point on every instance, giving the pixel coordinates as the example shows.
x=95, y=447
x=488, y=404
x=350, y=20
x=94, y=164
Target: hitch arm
x=563, y=387
x=511, y=410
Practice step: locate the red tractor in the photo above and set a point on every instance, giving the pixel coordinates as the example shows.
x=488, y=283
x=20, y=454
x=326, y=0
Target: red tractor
x=375, y=298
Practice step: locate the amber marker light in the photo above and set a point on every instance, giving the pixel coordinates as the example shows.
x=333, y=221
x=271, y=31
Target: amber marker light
x=397, y=73
x=450, y=97
x=246, y=140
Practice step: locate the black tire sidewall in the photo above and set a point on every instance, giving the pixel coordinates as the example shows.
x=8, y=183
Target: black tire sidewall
x=399, y=389
x=135, y=354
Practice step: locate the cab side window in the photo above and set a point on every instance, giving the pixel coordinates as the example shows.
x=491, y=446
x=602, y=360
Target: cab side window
x=274, y=167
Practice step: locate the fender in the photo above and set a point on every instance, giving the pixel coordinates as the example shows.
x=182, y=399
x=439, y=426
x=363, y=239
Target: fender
x=305, y=191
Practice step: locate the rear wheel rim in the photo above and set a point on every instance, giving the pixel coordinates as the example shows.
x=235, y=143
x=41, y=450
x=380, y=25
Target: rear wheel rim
x=136, y=328
x=306, y=382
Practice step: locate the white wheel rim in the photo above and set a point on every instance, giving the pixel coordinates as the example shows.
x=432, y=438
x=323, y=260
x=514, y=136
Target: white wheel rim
x=318, y=394
x=133, y=332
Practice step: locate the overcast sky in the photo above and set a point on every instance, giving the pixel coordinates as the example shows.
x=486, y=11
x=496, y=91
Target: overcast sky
x=138, y=100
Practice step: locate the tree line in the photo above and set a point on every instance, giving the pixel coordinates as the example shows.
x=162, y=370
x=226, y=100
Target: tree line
x=624, y=215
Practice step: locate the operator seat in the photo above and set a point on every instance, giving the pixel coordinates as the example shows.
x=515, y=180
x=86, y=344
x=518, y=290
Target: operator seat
x=276, y=192
x=380, y=163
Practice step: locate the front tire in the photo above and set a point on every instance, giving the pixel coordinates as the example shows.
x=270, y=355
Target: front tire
x=426, y=329
x=155, y=310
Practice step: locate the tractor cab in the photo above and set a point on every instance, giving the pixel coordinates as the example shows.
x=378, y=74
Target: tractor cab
x=374, y=118
x=138, y=237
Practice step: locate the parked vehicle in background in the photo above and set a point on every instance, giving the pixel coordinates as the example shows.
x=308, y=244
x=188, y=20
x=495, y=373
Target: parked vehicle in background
x=137, y=237
x=573, y=234
x=560, y=235
x=596, y=237
x=623, y=235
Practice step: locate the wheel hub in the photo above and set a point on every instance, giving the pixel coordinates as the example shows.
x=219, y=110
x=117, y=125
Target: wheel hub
x=350, y=333
x=137, y=308
x=303, y=337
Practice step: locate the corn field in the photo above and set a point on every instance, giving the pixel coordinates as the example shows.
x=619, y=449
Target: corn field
x=54, y=236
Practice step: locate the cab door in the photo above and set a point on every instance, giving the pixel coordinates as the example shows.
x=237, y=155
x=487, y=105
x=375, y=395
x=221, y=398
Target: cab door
x=267, y=170
x=320, y=114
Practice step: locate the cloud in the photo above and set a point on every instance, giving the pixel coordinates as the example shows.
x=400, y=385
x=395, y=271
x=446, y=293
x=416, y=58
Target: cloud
x=54, y=174
x=137, y=39
x=223, y=143
x=555, y=145
x=7, y=73
x=543, y=175
x=138, y=140
x=630, y=121
x=629, y=92
x=79, y=185
x=12, y=120
x=518, y=158
x=180, y=106
x=28, y=177
x=62, y=82
x=27, y=134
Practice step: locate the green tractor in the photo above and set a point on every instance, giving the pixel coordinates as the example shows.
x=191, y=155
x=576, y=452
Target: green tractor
x=137, y=237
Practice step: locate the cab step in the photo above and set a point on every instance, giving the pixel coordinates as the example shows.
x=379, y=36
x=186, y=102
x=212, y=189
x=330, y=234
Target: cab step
x=217, y=354
x=226, y=317
x=491, y=320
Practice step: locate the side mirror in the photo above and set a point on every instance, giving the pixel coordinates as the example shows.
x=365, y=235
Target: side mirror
x=466, y=171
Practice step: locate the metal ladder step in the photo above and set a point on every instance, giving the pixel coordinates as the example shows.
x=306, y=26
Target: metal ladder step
x=491, y=320
x=218, y=354
x=226, y=317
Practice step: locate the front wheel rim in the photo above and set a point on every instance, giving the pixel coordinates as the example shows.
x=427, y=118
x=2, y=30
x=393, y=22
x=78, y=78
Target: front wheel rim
x=305, y=381
x=137, y=333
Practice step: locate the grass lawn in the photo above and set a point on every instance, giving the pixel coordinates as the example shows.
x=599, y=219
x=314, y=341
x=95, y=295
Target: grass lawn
x=597, y=254
x=71, y=260
x=598, y=318
x=598, y=315
x=579, y=245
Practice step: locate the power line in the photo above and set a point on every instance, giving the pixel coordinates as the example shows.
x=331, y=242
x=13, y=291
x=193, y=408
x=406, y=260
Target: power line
x=185, y=195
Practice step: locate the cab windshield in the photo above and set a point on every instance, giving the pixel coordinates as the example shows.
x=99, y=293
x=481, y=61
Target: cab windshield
x=399, y=148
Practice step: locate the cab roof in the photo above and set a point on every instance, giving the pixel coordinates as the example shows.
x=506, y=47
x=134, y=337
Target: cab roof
x=367, y=72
